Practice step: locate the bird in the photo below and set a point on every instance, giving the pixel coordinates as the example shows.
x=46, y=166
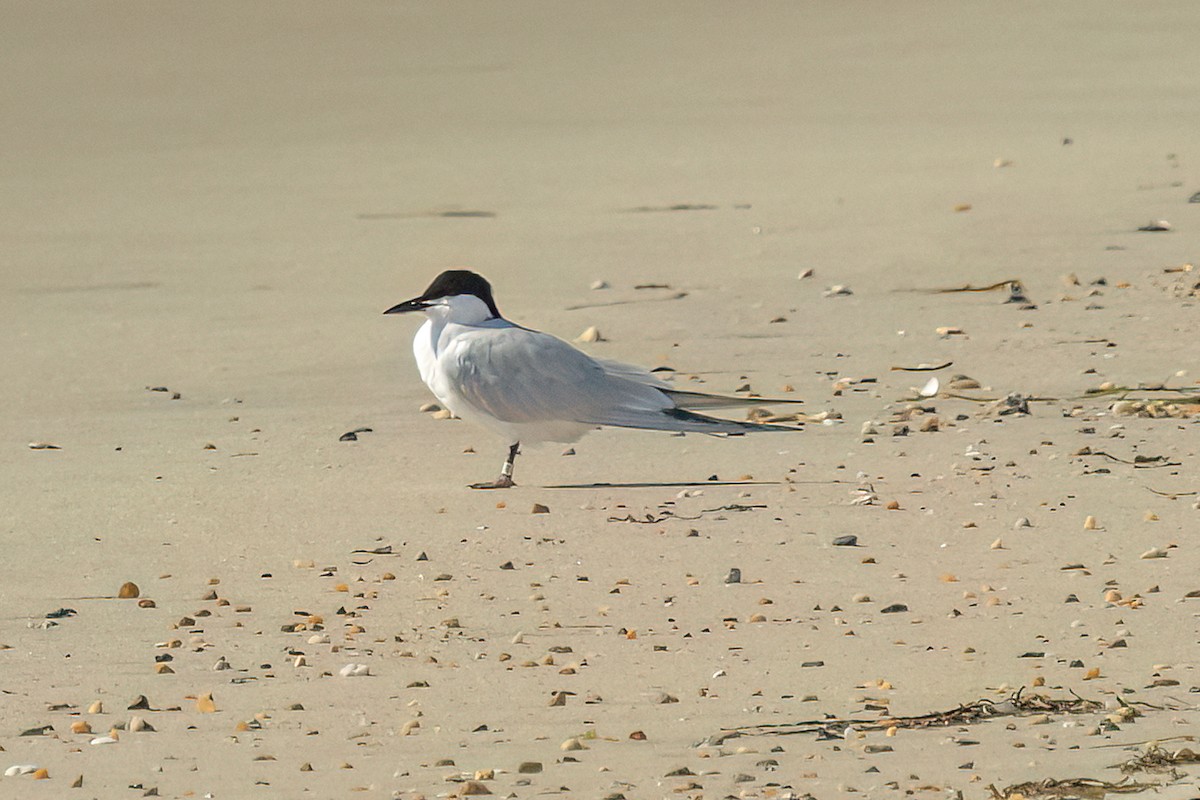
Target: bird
x=528, y=386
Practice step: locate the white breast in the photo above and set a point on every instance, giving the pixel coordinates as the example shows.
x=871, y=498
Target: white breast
x=425, y=351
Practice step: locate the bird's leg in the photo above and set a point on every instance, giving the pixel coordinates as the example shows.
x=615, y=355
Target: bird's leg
x=505, y=480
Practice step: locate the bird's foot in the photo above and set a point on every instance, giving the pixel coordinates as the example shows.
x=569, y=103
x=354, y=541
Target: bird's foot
x=503, y=482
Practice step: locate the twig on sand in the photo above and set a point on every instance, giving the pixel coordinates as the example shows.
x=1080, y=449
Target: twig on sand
x=969, y=288
x=1172, y=495
x=923, y=367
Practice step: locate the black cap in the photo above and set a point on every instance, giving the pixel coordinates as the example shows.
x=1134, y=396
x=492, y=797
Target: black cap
x=451, y=283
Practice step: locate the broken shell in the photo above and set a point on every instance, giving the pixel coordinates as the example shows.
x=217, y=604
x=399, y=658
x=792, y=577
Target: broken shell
x=962, y=382
x=128, y=590
x=205, y=703
x=572, y=744
x=1090, y=524
x=931, y=388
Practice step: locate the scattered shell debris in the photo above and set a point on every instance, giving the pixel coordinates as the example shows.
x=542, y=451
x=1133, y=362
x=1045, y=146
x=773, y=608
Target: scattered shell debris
x=851, y=612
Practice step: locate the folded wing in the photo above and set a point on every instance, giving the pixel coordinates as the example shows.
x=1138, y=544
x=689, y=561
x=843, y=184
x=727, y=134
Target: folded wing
x=523, y=376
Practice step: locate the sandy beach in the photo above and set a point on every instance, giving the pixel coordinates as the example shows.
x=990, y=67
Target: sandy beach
x=980, y=588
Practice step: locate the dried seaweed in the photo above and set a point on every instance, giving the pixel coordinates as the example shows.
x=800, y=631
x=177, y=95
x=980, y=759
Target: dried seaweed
x=1158, y=759
x=1017, y=704
x=1069, y=789
x=650, y=519
x=1139, y=461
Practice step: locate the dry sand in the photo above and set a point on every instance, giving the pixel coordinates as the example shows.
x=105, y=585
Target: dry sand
x=221, y=198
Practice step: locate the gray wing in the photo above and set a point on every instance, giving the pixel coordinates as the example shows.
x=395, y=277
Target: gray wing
x=523, y=376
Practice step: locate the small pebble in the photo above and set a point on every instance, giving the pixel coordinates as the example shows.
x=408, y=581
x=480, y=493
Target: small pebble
x=592, y=334
x=473, y=788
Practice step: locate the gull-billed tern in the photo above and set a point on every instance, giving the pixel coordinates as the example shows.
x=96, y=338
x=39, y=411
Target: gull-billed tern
x=531, y=387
